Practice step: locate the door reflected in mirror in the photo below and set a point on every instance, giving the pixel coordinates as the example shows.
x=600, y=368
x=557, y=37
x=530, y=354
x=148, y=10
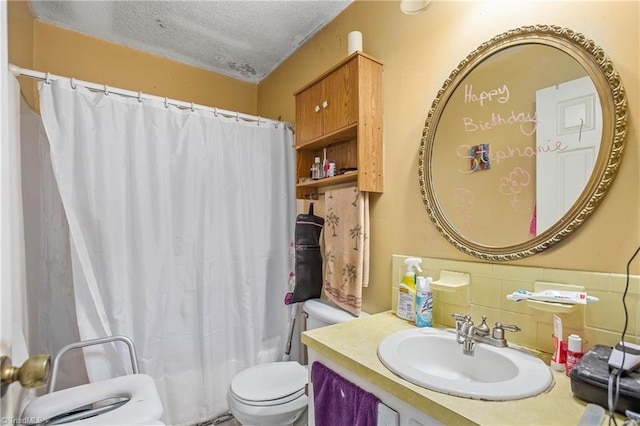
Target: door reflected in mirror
x=568, y=115
x=516, y=145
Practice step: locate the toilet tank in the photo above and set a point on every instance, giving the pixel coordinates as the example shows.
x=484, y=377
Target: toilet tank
x=322, y=313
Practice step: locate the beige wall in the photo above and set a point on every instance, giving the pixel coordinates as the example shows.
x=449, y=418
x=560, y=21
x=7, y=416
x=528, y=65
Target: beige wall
x=71, y=54
x=418, y=53
x=20, y=40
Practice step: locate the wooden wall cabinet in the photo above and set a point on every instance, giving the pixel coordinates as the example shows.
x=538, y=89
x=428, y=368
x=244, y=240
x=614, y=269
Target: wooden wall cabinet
x=341, y=110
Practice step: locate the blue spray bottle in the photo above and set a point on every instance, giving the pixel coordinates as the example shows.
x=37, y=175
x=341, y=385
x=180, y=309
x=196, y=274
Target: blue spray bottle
x=424, y=302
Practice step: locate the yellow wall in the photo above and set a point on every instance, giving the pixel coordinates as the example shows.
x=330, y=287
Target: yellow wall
x=419, y=52
x=71, y=54
x=20, y=23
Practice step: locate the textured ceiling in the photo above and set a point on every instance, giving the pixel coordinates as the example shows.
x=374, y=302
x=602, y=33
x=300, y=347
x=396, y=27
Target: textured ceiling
x=242, y=39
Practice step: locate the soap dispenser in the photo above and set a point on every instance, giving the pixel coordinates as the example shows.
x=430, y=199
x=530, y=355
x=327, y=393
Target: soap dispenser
x=406, y=308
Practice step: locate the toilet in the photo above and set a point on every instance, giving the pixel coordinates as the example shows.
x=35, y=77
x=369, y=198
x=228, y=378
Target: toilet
x=274, y=393
x=124, y=400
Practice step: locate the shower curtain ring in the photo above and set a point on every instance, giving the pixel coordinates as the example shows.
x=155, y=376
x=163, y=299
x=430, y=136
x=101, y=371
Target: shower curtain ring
x=106, y=90
x=166, y=104
x=192, y=109
x=47, y=78
x=140, y=96
x=237, y=115
x=259, y=118
x=73, y=83
x=215, y=112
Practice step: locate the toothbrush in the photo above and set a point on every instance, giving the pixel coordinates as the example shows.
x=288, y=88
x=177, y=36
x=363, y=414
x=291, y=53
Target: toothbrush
x=557, y=296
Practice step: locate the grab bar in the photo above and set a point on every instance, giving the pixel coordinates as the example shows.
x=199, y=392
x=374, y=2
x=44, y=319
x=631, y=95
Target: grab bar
x=99, y=341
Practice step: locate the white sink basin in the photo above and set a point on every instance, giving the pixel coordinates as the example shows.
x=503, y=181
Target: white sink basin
x=431, y=358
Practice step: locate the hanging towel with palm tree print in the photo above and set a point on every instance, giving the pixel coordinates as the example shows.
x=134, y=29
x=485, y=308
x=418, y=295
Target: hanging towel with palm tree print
x=346, y=247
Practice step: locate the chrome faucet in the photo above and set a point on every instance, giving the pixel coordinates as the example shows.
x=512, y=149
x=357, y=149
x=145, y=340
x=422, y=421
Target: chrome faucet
x=469, y=334
x=460, y=320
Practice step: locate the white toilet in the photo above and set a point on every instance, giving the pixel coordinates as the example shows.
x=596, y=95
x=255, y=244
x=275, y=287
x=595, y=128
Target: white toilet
x=274, y=393
x=125, y=400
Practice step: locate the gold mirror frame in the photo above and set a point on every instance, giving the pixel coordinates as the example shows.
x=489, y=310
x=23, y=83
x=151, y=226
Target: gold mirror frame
x=614, y=124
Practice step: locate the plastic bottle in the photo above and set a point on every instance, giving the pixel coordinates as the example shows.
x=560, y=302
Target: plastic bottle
x=406, y=308
x=424, y=302
x=574, y=352
x=316, y=169
x=325, y=164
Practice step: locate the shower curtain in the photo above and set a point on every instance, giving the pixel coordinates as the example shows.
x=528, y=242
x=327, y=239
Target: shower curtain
x=14, y=322
x=180, y=223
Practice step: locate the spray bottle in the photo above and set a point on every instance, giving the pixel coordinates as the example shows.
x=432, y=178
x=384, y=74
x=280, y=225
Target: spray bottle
x=424, y=302
x=406, y=308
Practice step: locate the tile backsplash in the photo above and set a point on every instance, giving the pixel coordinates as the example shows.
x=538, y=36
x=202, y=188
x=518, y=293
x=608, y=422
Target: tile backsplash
x=596, y=323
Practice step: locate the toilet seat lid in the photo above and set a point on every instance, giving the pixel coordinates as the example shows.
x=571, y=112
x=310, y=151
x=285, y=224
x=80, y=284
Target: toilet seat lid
x=328, y=312
x=271, y=381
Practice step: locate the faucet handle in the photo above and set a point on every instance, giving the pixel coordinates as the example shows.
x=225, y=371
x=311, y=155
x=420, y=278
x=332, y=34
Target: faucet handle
x=460, y=321
x=498, y=331
x=460, y=317
x=508, y=327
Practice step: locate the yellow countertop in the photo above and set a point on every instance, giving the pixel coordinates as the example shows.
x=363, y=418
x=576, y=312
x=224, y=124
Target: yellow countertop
x=353, y=345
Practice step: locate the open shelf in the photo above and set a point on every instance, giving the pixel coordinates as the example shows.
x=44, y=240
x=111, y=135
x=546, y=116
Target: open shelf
x=334, y=180
x=346, y=133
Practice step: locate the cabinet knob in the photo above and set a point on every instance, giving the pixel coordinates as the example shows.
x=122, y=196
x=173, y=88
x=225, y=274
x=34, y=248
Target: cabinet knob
x=317, y=108
x=325, y=104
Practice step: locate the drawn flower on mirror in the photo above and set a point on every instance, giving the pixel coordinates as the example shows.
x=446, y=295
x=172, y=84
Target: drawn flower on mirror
x=513, y=184
x=463, y=200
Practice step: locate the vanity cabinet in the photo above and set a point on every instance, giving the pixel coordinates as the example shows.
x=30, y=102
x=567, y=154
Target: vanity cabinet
x=341, y=111
x=392, y=411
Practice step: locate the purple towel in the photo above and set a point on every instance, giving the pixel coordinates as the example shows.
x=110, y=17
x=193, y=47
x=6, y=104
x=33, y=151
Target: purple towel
x=338, y=402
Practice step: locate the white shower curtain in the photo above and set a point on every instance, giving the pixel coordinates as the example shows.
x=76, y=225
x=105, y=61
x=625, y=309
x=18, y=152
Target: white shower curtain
x=14, y=321
x=180, y=224
x=51, y=306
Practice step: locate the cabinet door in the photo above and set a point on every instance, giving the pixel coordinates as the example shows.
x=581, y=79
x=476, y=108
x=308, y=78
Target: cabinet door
x=309, y=114
x=341, y=97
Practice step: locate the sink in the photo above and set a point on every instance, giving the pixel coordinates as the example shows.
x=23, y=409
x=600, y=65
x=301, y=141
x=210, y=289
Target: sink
x=432, y=358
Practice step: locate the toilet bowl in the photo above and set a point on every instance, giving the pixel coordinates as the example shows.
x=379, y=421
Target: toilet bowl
x=269, y=394
x=274, y=393
x=125, y=400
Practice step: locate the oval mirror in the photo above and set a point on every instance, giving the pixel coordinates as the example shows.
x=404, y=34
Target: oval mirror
x=522, y=142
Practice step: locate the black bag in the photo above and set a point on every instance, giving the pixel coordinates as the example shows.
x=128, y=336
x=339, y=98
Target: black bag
x=590, y=381
x=308, y=279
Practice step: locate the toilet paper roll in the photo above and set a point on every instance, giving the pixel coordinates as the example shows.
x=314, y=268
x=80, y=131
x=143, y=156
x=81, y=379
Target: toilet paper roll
x=354, y=42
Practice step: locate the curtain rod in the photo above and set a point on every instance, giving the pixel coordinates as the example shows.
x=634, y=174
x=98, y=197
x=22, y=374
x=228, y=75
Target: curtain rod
x=48, y=77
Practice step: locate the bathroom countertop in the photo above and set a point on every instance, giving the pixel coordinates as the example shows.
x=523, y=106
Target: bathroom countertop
x=353, y=345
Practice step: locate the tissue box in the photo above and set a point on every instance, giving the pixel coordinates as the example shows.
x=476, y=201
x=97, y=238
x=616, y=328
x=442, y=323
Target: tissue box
x=590, y=381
